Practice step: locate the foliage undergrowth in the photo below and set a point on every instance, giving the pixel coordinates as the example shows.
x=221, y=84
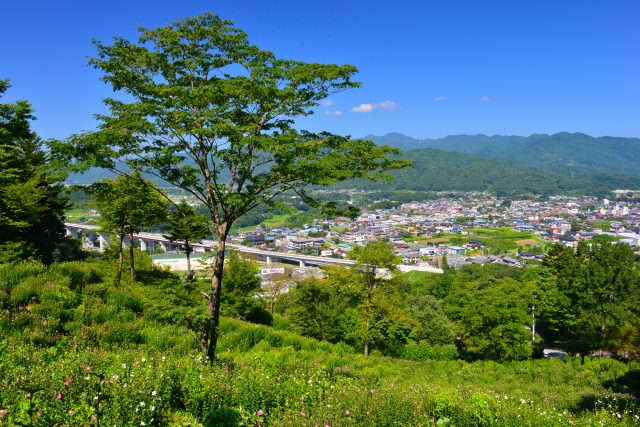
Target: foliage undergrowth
x=94, y=355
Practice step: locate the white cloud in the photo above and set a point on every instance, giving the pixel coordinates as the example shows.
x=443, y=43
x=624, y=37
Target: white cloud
x=388, y=105
x=333, y=113
x=485, y=99
x=364, y=108
x=327, y=103
x=439, y=98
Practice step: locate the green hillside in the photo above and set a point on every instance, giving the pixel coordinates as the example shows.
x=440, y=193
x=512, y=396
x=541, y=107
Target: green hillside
x=436, y=170
x=574, y=152
x=76, y=351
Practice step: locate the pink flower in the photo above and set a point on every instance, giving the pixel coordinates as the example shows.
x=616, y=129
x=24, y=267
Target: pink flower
x=302, y=414
x=260, y=412
x=70, y=412
x=137, y=363
x=373, y=390
x=3, y=412
x=347, y=413
x=68, y=381
x=58, y=396
x=28, y=395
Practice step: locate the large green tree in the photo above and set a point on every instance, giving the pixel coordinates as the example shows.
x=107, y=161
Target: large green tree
x=32, y=200
x=127, y=204
x=594, y=294
x=214, y=115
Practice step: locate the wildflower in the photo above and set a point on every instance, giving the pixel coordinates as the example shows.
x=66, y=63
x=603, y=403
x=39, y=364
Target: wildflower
x=523, y=401
x=87, y=369
x=152, y=408
x=260, y=412
x=124, y=366
x=95, y=397
x=142, y=404
x=59, y=396
x=3, y=412
x=373, y=390
x=142, y=423
x=70, y=411
x=68, y=381
x=144, y=360
x=137, y=362
x=28, y=395
x=124, y=385
x=164, y=358
x=153, y=393
x=302, y=414
x=347, y=413
x=87, y=378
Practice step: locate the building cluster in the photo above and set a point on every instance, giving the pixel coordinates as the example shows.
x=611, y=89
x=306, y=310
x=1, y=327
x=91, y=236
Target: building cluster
x=414, y=228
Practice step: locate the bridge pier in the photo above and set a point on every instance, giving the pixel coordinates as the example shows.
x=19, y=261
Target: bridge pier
x=302, y=264
x=269, y=260
x=103, y=241
x=163, y=246
x=143, y=246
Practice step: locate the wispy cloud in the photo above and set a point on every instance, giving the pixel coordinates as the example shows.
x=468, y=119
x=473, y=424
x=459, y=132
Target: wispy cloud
x=335, y=113
x=388, y=105
x=365, y=108
x=485, y=99
x=440, y=98
x=327, y=103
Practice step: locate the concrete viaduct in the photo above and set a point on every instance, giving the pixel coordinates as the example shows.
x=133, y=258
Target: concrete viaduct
x=94, y=238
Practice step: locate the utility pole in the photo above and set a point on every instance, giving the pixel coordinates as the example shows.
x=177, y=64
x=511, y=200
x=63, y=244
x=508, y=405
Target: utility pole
x=533, y=323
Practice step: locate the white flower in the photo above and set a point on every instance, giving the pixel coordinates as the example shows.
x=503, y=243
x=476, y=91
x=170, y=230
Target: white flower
x=142, y=404
x=164, y=358
x=153, y=393
x=124, y=366
x=95, y=397
x=153, y=408
x=142, y=423
x=144, y=359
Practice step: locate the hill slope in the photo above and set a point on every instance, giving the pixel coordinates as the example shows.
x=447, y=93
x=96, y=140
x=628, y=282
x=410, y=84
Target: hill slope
x=576, y=152
x=436, y=170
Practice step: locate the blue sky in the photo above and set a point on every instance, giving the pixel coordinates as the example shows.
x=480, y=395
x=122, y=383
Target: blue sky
x=428, y=68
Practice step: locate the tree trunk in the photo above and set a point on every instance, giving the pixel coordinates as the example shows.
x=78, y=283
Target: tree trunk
x=366, y=347
x=209, y=336
x=187, y=249
x=132, y=263
x=120, y=261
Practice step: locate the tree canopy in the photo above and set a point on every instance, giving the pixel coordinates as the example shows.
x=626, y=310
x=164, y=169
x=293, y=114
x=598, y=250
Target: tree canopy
x=32, y=201
x=215, y=115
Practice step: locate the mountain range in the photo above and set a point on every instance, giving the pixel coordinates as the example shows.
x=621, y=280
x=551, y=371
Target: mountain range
x=572, y=163
x=571, y=152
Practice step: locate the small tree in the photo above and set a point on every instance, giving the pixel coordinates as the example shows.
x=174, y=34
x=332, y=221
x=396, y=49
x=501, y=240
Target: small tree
x=127, y=205
x=187, y=227
x=375, y=264
x=214, y=115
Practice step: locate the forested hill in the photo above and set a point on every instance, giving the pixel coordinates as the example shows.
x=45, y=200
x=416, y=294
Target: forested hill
x=440, y=170
x=576, y=152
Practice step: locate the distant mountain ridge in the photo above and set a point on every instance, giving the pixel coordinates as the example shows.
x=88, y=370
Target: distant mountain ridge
x=573, y=152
